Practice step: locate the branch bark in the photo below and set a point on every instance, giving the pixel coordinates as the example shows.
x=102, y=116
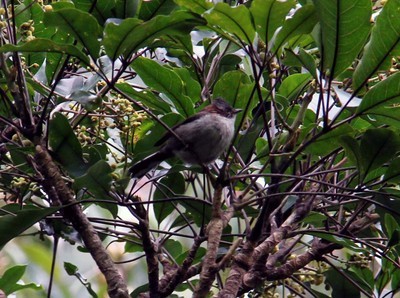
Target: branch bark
x=59, y=193
x=214, y=231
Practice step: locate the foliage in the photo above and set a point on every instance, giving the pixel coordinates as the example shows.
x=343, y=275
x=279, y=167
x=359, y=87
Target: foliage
x=308, y=195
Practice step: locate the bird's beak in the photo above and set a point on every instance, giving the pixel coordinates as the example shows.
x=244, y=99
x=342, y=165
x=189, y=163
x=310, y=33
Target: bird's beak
x=236, y=111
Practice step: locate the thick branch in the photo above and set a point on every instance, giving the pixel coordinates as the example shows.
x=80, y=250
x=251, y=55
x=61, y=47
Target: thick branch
x=57, y=190
x=240, y=266
x=214, y=231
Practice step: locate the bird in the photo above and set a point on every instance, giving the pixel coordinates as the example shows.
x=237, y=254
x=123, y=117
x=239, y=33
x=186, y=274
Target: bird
x=200, y=139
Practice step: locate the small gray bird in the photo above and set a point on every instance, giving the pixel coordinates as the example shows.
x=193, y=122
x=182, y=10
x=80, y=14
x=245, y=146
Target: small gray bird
x=202, y=138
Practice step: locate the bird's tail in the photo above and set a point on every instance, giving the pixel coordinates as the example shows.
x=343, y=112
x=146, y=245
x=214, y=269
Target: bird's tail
x=139, y=169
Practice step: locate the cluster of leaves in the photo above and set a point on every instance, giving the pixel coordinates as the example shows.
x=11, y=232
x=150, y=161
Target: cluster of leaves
x=308, y=194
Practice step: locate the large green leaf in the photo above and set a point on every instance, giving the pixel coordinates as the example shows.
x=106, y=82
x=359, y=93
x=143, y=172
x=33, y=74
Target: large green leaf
x=149, y=9
x=301, y=59
x=269, y=15
x=191, y=87
x=81, y=25
x=383, y=99
x=393, y=172
x=170, y=186
x=147, y=98
x=16, y=220
x=40, y=45
x=344, y=29
x=65, y=145
x=132, y=34
x=164, y=80
x=302, y=22
x=293, y=85
x=8, y=282
x=330, y=140
x=233, y=20
x=352, y=148
x=377, y=147
x=383, y=45
x=235, y=87
x=100, y=9
x=97, y=180
x=341, y=287
x=363, y=277
x=197, y=6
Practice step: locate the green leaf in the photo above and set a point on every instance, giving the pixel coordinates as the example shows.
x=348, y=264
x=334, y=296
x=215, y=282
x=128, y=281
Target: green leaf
x=390, y=224
x=393, y=172
x=395, y=281
x=14, y=222
x=197, y=6
x=97, y=180
x=199, y=211
x=382, y=279
x=330, y=140
x=315, y=219
x=341, y=287
x=12, y=276
x=65, y=145
x=338, y=240
x=73, y=270
x=170, y=186
x=40, y=45
x=383, y=99
x=302, y=59
x=101, y=9
x=70, y=268
x=164, y=80
x=81, y=25
x=383, y=45
x=378, y=146
x=8, y=282
x=293, y=85
x=394, y=238
x=133, y=34
x=269, y=15
x=145, y=97
x=173, y=247
x=126, y=9
x=149, y=9
x=262, y=150
x=302, y=22
x=339, y=20
x=363, y=277
x=353, y=151
x=233, y=20
x=191, y=87
x=235, y=87
x=133, y=244
x=138, y=290
x=197, y=259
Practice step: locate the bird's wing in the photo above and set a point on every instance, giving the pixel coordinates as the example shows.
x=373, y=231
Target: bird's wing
x=168, y=134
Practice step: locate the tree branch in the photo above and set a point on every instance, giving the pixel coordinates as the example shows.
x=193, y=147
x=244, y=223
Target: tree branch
x=214, y=231
x=57, y=190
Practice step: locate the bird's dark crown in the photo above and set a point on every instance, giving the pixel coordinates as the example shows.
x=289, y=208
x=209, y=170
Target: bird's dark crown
x=221, y=107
